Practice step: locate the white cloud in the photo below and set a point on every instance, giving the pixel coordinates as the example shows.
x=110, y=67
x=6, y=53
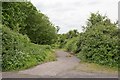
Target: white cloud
x=72, y=14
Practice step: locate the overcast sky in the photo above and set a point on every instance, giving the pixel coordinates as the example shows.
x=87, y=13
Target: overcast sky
x=72, y=14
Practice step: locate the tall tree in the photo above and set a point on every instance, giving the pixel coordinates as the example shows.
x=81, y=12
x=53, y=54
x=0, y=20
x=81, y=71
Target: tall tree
x=23, y=17
x=14, y=14
x=40, y=30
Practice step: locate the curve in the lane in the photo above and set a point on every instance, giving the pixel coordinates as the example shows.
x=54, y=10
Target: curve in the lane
x=62, y=68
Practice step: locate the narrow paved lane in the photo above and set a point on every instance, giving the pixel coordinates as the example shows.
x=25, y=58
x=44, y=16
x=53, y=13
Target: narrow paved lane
x=62, y=68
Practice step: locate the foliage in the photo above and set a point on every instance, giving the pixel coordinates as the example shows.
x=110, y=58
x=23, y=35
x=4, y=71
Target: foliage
x=99, y=43
x=64, y=38
x=24, y=18
x=19, y=53
x=71, y=45
x=61, y=41
x=14, y=14
x=39, y=29
x=72, y=33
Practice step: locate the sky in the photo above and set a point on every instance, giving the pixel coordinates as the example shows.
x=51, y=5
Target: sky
x=73, y=14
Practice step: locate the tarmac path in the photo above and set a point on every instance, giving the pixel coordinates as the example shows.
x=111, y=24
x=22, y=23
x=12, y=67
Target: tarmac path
x=62, y=68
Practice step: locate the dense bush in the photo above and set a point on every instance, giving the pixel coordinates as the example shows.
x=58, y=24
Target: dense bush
x=99, y=47
x=19, y=53
x=64, y=38
x=71, y=45
x=23, y=17
x=99, y=43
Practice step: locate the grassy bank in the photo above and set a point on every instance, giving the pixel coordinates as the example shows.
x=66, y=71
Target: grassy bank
x=19, y=53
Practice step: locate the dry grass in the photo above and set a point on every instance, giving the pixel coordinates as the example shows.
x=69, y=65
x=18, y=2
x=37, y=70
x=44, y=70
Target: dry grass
x=95, y=68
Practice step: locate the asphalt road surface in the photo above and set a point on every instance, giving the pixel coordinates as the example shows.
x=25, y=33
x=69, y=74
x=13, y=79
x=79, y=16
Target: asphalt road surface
x=62, y=68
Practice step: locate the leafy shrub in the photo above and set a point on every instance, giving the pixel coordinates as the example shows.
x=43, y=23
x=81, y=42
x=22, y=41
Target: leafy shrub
x=55, y=46
x=100, y=45
x=19, y=53
x=71, y=44
x=64, y=38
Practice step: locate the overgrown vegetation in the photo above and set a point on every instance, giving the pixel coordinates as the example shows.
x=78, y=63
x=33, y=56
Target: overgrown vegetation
x=26, y=36
x=24, y=18
x=64, y=38
x=98, y=43
x=71, y=45
x=19, y=53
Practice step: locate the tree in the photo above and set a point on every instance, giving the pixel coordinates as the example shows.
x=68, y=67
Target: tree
x=72, y=33
x=58, y=28
x=40, y=30
x=25, y=19
x=14, y=14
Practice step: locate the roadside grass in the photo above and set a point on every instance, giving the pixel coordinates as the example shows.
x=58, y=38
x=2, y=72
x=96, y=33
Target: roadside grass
x=93, y=67
x=19, y=53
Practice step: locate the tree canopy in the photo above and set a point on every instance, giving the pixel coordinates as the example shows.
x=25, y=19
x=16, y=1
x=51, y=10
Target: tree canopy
x=24, y=18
